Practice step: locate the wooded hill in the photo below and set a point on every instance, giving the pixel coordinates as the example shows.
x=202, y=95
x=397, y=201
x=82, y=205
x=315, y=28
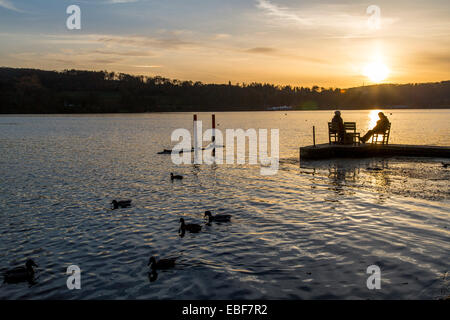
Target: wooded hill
x=76, y=91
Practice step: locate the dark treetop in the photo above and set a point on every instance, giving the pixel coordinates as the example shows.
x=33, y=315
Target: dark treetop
x=76, y=91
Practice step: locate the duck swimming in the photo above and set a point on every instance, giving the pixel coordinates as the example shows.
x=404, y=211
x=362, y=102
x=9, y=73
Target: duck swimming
x=120, y=204
x=21, y=274
x=191, y=227
x=162, y=264
x=175, y=177
x=217, y=217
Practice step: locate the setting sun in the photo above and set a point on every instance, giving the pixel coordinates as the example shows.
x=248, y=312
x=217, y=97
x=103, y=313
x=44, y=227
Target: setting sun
x=376, y=71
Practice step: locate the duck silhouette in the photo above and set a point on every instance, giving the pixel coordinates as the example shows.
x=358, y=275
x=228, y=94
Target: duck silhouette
x=120, y=204
x=191, y=227
x=162, y=264
x=217, y=217
x=175, y=177
x=21, y=274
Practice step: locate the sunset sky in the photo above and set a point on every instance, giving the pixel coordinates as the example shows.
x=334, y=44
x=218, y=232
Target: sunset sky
x=324, y=43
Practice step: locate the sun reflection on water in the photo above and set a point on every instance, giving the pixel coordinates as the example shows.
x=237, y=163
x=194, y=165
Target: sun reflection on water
x=373, y=118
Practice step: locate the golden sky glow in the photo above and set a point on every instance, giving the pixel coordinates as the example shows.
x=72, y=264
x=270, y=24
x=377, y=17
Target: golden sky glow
x=324, y=43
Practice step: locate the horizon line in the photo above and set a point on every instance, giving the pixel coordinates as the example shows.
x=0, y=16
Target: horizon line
x=235, y=84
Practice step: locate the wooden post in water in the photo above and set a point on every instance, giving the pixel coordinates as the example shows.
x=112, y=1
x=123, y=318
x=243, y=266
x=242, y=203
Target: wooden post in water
x=195, y=132
x=213, y=139
x=314, y=136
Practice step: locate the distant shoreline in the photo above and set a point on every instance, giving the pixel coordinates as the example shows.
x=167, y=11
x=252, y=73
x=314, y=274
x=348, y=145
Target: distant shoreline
x=228, y=110
x=33, y=91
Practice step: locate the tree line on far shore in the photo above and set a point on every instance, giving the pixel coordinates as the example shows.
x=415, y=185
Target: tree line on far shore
x=77, y=91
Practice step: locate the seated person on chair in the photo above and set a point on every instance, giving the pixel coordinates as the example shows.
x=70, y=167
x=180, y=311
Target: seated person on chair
x=337, y=126
x=380, y=127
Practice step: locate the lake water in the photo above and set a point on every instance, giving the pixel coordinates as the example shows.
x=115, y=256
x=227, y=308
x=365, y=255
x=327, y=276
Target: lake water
x=308, y=232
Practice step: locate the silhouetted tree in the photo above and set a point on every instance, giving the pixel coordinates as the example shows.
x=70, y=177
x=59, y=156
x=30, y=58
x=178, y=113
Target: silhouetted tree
x=72, y=91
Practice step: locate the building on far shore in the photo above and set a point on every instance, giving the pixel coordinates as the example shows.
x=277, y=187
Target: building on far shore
x=279, y=108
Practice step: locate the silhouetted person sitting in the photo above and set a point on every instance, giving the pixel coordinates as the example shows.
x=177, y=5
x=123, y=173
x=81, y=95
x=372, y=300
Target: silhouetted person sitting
x=337, y=126
x=381, y=127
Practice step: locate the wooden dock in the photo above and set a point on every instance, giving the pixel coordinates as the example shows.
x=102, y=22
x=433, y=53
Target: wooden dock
x=329, y=151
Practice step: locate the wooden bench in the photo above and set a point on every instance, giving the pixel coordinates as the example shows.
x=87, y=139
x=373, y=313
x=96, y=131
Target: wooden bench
x=350, y=131
x=332, y=135
x=384, y=136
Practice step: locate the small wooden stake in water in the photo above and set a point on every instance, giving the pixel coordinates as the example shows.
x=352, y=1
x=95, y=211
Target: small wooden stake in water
x=197, y=145
x=195, y=132
x=213, y=139
x=314, y=136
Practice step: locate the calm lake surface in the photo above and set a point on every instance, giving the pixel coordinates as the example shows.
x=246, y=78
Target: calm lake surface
x=308, y=232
